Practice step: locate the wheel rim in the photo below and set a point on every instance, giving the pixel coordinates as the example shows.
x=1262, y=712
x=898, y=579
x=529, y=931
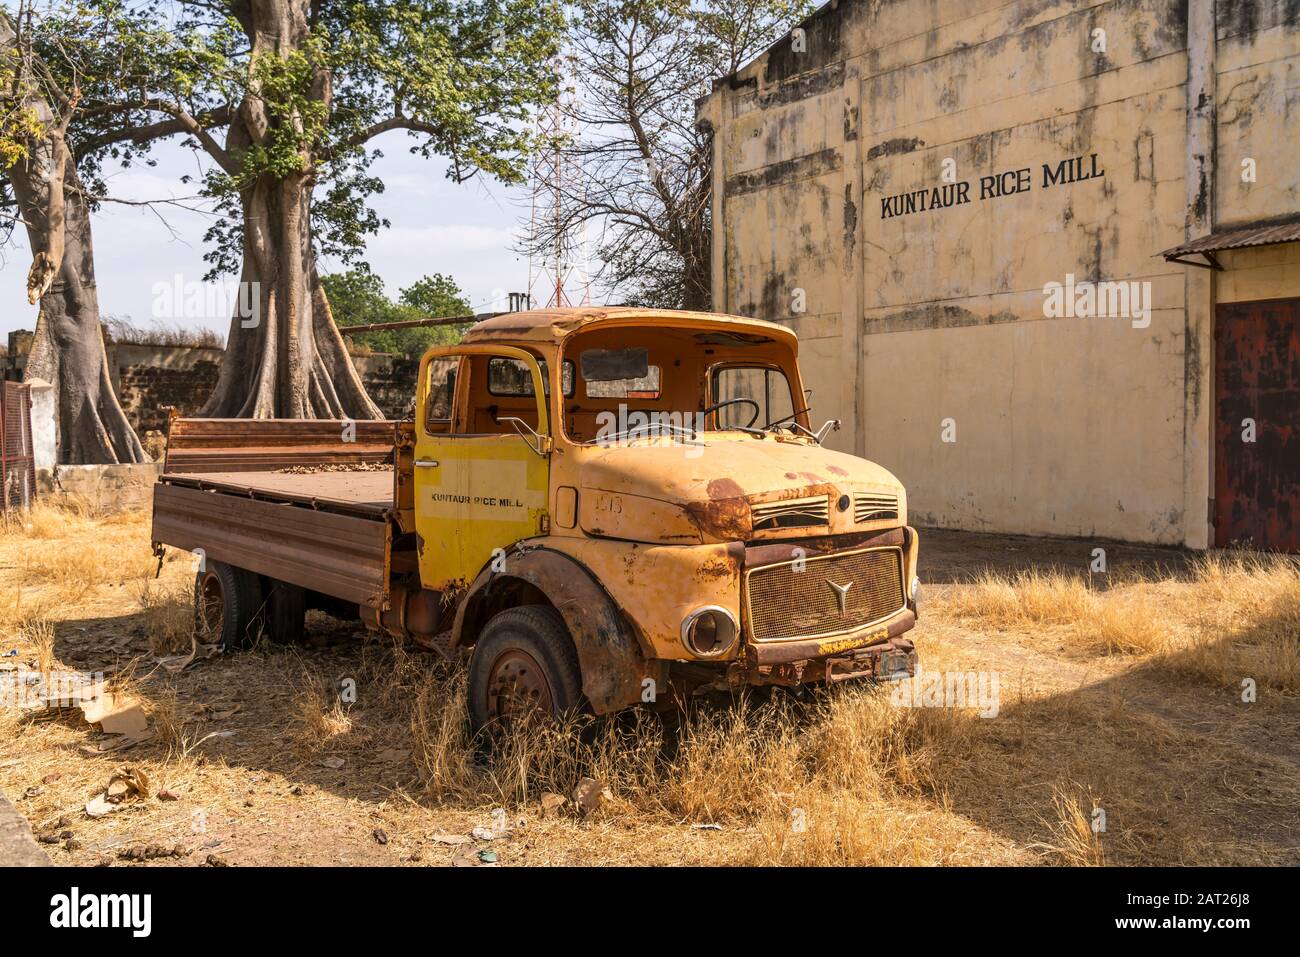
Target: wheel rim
x=517, y=687
x=212, y=607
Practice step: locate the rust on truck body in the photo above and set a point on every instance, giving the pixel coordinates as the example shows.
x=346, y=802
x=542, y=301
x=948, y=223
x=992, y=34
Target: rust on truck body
x=613, y=660
x=630, y=534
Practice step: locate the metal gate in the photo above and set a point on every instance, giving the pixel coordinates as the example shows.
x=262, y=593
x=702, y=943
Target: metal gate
x=17, y=466
x=1257, y=424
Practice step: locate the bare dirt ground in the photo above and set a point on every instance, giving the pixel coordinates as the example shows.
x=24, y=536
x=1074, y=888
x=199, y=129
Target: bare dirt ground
x=1120, y=699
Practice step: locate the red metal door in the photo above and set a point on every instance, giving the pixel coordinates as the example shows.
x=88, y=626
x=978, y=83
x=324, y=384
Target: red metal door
x=17, y=465
x=1257, y=378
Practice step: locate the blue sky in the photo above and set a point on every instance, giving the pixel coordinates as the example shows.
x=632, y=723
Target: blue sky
x=467, y=231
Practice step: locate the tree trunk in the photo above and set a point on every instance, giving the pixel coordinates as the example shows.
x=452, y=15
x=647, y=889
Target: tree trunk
x=68, y=348
x=286, y=360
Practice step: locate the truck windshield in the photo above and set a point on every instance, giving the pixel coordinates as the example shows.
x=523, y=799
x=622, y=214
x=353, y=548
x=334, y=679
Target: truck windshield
x=647, y=381
x=757, y=397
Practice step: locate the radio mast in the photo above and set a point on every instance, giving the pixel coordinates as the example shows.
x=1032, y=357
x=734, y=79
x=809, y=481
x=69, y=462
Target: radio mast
x=557, y=272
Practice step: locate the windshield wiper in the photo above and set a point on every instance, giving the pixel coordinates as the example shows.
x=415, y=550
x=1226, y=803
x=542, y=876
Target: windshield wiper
x=650, y=430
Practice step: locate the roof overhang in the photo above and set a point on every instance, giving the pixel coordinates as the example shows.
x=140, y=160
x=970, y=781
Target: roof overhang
x=1262, y=232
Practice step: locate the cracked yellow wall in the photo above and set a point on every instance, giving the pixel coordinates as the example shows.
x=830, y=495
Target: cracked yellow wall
x=1067, y=426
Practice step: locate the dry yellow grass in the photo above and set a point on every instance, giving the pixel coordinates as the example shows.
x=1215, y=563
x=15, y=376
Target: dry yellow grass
x=69, y=551
x=1077, y=838
x=319, y=716
x=839, y=776
x=168, y=611
x=1235, y=616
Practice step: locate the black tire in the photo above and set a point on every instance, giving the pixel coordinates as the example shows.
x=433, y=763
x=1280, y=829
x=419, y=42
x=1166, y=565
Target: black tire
x=286, y=609
x=227, y=605
x=521, y=638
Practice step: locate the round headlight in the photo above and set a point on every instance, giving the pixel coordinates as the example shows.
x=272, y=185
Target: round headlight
x=709, y=632
x=916, y=596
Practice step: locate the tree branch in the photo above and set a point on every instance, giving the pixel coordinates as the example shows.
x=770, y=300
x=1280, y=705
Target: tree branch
x=362, y=136
x=139, y=135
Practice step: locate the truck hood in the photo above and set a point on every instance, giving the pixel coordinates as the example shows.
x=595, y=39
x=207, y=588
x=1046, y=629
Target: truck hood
x=714, y=482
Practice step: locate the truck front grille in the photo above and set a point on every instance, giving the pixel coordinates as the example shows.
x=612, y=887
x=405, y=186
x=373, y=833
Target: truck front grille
x=791, y=513
x=784, y=602
x=869, y=507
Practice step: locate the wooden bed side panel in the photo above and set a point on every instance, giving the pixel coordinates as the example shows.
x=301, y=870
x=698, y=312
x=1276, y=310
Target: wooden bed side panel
x=340, y=555
x=236, y=445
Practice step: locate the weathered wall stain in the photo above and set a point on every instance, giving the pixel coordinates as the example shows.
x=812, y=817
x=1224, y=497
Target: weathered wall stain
x=895, y=147
x=803, y=167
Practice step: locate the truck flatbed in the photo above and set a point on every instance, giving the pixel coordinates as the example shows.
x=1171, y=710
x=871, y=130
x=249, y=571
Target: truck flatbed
x=311, y=503
x=369, y=492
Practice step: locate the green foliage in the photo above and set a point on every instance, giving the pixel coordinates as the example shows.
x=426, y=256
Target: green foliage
x=462, y=77
x=357, y=297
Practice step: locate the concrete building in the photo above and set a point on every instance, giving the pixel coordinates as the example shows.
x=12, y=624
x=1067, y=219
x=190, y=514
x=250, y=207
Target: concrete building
x=1043, y=256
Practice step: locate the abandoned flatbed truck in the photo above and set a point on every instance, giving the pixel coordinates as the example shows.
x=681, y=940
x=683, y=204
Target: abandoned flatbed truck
x=600, y=507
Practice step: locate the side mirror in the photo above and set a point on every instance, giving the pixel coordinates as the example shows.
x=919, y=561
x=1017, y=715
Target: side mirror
x=830, y=425
x=541, y=444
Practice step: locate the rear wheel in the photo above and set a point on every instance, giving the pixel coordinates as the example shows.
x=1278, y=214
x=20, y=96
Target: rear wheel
x=524, y=666
x=227, y=605
x=286, y=608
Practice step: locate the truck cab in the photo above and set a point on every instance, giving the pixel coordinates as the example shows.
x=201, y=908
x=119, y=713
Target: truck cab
x=667, y=465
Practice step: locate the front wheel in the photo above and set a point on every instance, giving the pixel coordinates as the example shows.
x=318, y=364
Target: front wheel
x=524, y=664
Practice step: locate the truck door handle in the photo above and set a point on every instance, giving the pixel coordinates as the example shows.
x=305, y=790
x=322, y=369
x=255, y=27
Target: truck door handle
x=426, y=463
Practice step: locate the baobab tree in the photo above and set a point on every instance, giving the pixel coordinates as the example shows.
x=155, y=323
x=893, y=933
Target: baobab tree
x=48, y=197
x=285, y=98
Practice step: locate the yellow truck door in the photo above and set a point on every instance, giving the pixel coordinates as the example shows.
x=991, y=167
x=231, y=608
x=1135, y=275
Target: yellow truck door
x=475, y=493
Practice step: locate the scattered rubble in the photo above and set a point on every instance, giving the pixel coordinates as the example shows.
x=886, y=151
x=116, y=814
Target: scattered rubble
x=590, y=795
x=151, y=852
x=127, y=785
x=553, y=803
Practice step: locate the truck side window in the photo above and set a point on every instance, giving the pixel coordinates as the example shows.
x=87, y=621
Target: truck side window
x=619, y=374
x=768, y=387
x=442, y=392
x=512, y=378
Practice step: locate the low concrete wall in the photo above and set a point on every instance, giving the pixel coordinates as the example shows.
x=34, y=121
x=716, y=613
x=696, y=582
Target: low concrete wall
x=105, y=488
x=148, y=379
x=390, y=380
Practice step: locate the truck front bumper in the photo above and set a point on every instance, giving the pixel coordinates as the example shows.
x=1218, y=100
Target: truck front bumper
x=881, y=651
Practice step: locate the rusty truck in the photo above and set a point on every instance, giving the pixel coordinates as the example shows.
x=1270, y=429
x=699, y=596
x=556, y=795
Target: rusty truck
x=598, y=507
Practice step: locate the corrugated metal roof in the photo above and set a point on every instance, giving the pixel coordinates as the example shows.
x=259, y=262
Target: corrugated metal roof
x=1263, y=232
